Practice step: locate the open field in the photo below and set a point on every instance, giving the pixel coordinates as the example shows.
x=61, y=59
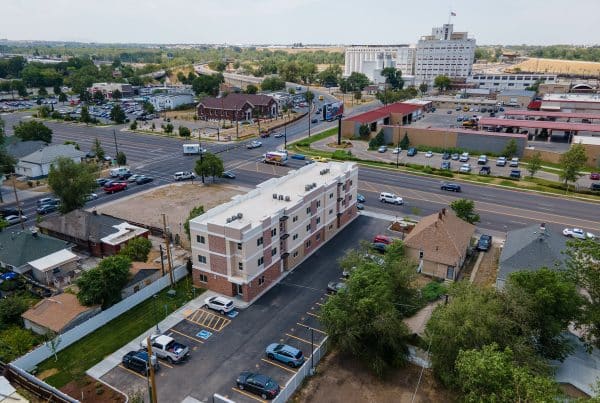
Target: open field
x=300, y=50
x=556, y=66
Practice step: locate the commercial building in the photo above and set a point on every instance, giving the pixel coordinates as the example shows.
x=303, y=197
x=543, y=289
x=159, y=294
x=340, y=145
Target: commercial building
x=371, y=59
x=107, y=89
x=238, y=107
x=499, y=82
x=163, y=102
x=444, y=52
x=396, y=114
x=518, y=98
x=243, y=247
x=571, y=103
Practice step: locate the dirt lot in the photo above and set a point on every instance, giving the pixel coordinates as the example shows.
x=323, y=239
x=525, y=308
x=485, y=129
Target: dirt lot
x=91, y=391
x=556, y=66
x=341, y=379
x=488, y=268
x=174, y=200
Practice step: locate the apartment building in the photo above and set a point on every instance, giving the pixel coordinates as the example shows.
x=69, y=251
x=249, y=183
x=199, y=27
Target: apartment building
x=243, y=247
x=499, y=82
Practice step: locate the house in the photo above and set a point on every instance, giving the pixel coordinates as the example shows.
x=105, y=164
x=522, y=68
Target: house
x=440, y=243
x=46, y=259
x=18, y=149
x=142, y=275
x=37, y=164
x=97, y=234
x=57, y=314
x=530, y=248
x=236, y=107
x=163, y=102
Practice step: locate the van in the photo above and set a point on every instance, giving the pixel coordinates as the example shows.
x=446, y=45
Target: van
x=117, y=172
x=321, y=97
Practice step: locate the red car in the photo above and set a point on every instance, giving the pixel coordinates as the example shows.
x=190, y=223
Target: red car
x=382, y=239
x=595, y=176
x=115, y=187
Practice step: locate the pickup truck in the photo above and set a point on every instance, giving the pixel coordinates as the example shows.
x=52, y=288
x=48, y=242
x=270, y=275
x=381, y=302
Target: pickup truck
x=167, y=348
x=115, y=187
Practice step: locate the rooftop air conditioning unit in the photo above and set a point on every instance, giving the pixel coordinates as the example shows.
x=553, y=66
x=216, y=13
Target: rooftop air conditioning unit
x=228, y=220
x=233, y=217
x=280, y=197
x=274, y=195
x=288, y=198
x=239, y=216
x=314, y=185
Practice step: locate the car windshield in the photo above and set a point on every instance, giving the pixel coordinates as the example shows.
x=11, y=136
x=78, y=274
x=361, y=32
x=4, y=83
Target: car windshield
x=298, y=355
x=270, y=384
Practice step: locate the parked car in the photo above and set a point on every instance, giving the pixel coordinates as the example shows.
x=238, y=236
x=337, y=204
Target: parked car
x=360, y=206
x=167, y=348
x=578, y=233
x=411, y=152
x=386, y=197
x=515, y=173
x=452, y=187
x=382, y=239
x=220, y=304
x=138, y=361
x=360, y=198
x=46, y=208
x=47, y=200
x=445, y=165
x=125, y=176
x=186, y=175
x=397, y=150
x=449, y=112
x=455, y=157
x=514, y=162
x=286, y=354
x=446, y=156
x=228, y=175
x=113, y=187
x=595, y=176
x=253, y=144
x=144, y=179
x=501, y=162
x=382, y=149
x=429, y=154
x=484, y=243
x=379, y=247
x=464, y=157
x=8, y=211
x=485, y=170
x=595, y=186
x=278, y=135
x=90, y=197
x=14, y=219
x=102, y=181
x=334, y=287
x=482, y=160
x=133, y=178
x=314, y=120
x=258, y=384
x=465, y=168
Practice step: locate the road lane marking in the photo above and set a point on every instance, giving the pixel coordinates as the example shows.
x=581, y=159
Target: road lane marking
x=278, y=365
x=189, y=337
x=313, y=314
x=248, y=395
x=311, y=328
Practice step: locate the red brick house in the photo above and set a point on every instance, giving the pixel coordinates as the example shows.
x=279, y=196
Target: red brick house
x=238, y=107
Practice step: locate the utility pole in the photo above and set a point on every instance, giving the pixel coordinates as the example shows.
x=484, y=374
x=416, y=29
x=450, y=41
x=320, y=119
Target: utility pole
x=17, y=201
x=285, y=136
x=200, y=150
x=168, y=246
x=152, y=391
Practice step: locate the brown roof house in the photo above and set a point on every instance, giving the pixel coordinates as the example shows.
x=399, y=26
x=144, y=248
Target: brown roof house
x=141, y=275
x=440, y=242
x=57, y=314
x=238, y=107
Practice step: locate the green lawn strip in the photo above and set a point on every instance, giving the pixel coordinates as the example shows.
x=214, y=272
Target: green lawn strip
x=93, y=348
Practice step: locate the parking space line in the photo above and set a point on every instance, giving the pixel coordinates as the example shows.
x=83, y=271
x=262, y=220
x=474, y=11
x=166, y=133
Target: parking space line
x=189, y=337
x=133, y=372
x=278, y=365
x=313, y=314
x=248, y=395
x=164, y=362
x=312, y=328
x=318, y=303
x=298, y=338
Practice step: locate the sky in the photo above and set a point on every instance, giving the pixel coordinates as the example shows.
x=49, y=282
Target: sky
x=534, y=22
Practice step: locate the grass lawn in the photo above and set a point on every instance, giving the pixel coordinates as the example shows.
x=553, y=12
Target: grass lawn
x=87, y=352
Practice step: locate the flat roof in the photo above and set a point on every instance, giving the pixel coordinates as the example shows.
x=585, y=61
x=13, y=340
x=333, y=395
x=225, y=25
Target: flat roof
x=259, y=204
x=572, y=97
x=536, y=124
x=572, y=115
x=471, y=131
x=591, y=140
x=53, y=260
x=376, y=114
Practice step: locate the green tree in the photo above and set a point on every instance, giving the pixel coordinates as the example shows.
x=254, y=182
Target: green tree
x=309, y=96
x=71, y=182
x=442, y=82
x=42, y=91
x=184, y=132
x=56, y=89
x=510, y=149
x=85, y=116
x=195, y=212
x=97, y=149
x=148, y=107
x=16, y=341
x=121, y=158
x=168, y=128
x=11, y=308
x=465, y=210
x=73, y=143
x=251, y=89
x=102, y=285
x=357, y=95
x=364, y=130
x=117, y=114
x=98, y=97
x=423, y=87
x=357, y=81
x=491, y=375
x=571, y=163
x=217, y=65
x=43, y=112
x=33, y=130
x=535, y=164
x=62, y=97
x=405, y=142
x=137, y=249
x=393, y=77
x=116, y=95
x=330, y=76
x=272, y=84
x=377, y=141
x=133, y=125
x=204, y=84
x=209, y=165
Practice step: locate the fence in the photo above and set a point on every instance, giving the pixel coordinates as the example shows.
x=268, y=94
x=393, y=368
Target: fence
x=21, y=379
x=41, y=353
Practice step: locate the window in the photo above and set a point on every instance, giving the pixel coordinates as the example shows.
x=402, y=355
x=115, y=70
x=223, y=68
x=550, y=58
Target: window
x=295, y=254
x=259, y=241
x=450, y=272
x=239, y=246
x=202, y=259
x=420, y=254
x=318, y=203
x=349, y=197
x=318, y=220
x=261, y=280
x=331, y=195
x=295, y=218
x=295, y=237
x=273, y=251
x=200, y=239
x=261, y=260
x=307, y=244
x=351, y=182
x=203, y=278
x=308, y=227
x=330, y=226
x=274, y=232
x=308, y=210
x=318, y=237
x=240, y=266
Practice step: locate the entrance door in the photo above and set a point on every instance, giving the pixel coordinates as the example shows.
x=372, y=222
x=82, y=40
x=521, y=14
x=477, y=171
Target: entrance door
x=239, y=289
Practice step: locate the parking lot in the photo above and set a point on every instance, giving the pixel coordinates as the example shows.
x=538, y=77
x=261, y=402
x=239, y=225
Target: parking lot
x=223, y=346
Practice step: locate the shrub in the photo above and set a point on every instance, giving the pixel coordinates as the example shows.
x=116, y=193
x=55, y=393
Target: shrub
x=432, y=291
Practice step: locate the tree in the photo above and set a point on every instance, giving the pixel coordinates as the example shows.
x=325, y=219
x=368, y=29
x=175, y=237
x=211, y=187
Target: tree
x=405, y=142
x=272, y=84
x=423, y=87
x=16, y=342
x=195, y=212
x=442, y=82
x=102, y=285
x=535, y=163
x=357, y=81
x=133, y=125
x=98, y=97
x=357, y=95
x=209, y=165
x=117, y=114
x=465, y=210
x=116, y=95
x=309, y=96
x=121, y=158
x=393, y=77
x=62, y=97
x=377, y=141
x=168, y=128
x=73, y=143
x=148, y=107
x=43, y=112
x=330, y=76
x=85, y=116
x=11, y=308
x=571, y=162
x=71, y=182
x=251, y=89
x=137, y=249
x=184, y=132
x=97, y=149
x=364, y=130
x=510, y=149
x=204, y=84
x=492, y=375
x=56, y=89
x=33, y=130
x=583, y=263
x=217, y=65
x=42, y=91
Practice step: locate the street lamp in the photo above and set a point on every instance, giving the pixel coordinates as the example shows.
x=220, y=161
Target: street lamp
x=155, y=298
x=285, y=136
x=312, y=350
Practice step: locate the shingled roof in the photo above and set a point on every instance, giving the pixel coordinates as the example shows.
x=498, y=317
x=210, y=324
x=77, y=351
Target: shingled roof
x=49, y=154
x=57, y=312
x=17, y=248
x=236, y=101
x=83, y=225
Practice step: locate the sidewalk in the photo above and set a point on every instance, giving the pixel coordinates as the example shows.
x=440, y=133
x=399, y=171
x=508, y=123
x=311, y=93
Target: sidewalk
x=8, y=194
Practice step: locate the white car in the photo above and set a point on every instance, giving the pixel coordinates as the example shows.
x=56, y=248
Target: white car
x=429, y=154
x=180, y=176
x=464, y=157
x=514, y=162
x=253, y=144
x=578, y=233
x=465, y=168
x=133, y=178
x=385, y=197
x=219, y=304
x=91, y=196
x=397, y=150
x=14, y=219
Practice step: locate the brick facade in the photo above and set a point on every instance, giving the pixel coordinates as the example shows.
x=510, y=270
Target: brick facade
x=216, y=244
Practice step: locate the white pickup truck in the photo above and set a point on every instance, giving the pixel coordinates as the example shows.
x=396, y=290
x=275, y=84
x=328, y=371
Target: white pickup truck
x=167, y=348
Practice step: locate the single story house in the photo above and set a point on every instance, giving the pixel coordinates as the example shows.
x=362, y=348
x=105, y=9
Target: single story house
x=57, y=314
x=18, y=149
x=37, y=164
x=163, y=102
x=530, y=248
x=440, y=243
x=238, y=107
x=46, y=259
x=97, y=234
x=142, y=275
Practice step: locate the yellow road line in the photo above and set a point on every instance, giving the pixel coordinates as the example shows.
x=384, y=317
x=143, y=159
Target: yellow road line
x=278, y=365
x=298, y=338
x=312, y=328
x=133, y=372
x=313, y=314
x=189, y=337
x=163, y=362
x=248, y=395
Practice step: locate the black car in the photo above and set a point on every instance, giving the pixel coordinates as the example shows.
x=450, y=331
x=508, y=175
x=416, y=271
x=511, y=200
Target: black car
x=138, y=362
x=446, y=156
x=485, y=241
x=445, y=165
x=47, y=208
x=125, y=176
x=258, y=384
x=485, y=171
x=452, y=187
x=411, y=152
x=379, y=247
x=515, y=173
x=102, y=181
x=314, y=120
x=593, y=186
x=144, y=179
x=5, y=212
x=228, y=175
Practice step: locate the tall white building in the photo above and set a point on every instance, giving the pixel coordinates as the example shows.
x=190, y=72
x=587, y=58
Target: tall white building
x=371, y=59
x=444, y=52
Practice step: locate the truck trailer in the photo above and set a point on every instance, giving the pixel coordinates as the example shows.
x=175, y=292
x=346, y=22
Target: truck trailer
x=193, y=149
x=276, y=157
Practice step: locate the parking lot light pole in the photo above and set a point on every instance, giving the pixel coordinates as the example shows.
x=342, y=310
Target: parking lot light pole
x=312, y=350
x=285, y=136
x=398, y=155
x=155, y=297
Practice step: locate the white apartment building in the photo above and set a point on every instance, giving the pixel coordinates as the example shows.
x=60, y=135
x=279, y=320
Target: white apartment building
x=163, y=102
x=243, y=247
x=501, y=82
x=444, y=52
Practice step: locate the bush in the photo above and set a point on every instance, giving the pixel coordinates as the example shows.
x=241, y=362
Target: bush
x=30, y=184
x=427, y=170
x=433, y=291
x=342, y=155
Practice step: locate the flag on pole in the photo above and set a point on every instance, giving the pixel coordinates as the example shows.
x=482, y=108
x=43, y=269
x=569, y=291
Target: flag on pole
x=452, y=13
